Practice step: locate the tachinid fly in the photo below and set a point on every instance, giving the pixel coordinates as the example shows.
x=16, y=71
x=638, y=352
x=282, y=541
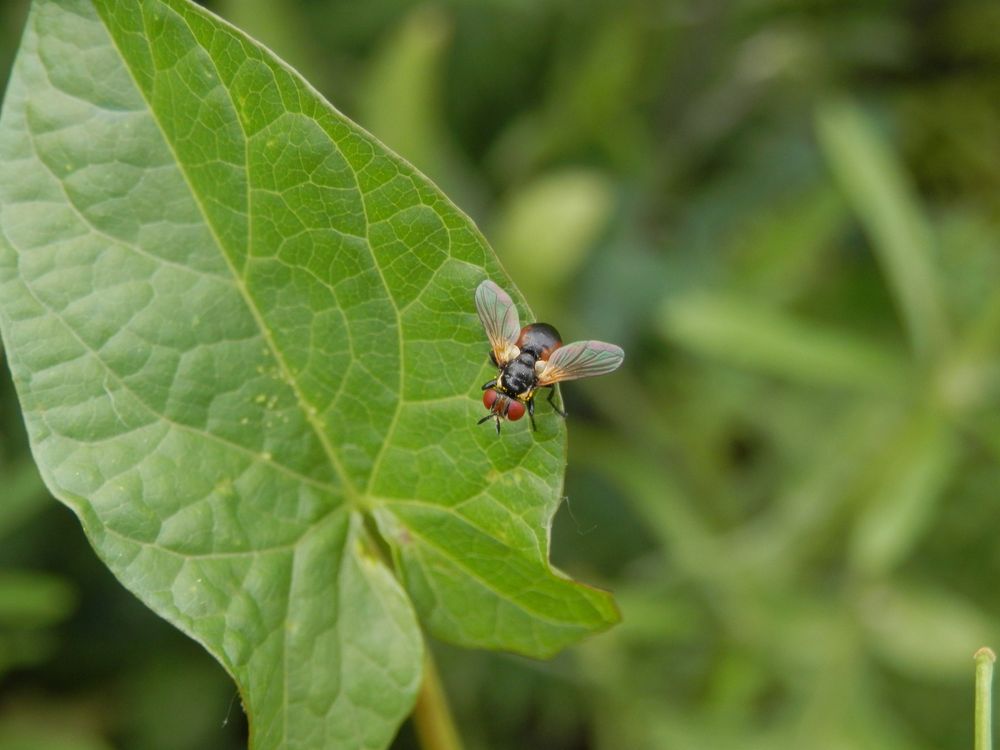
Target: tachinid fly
x=532, y=357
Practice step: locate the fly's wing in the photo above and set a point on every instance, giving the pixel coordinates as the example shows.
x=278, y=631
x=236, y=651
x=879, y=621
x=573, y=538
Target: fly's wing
x=499, y=316
x=581, y=359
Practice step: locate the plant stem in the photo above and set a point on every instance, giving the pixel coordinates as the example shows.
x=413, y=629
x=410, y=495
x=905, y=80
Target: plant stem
x=431, y=716
x=984, y=695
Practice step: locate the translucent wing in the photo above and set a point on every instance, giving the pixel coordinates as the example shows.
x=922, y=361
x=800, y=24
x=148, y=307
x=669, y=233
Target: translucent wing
x=581, y=359
x=499, y=316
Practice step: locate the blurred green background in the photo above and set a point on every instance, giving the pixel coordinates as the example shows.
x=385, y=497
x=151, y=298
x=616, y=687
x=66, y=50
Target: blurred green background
x=788, y=213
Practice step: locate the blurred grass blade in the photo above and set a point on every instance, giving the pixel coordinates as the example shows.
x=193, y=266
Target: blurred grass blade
x=30, y=599
x=401, y=101
x=783, y=251
x=881, y=195
x=657, y=499
x=545, y=228
x=30, y=731
x=282, y=25
x=922, y=632
x=812, y=498
x=912, y=474
x=23, y=495
x=401, y=98
x=740, y=333
x=25, y=647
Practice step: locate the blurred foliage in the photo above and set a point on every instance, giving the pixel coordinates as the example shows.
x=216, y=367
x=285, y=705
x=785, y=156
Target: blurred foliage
x=788, y=213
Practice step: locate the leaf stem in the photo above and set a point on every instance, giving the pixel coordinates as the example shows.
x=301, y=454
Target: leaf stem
x=984, y=678
x=432, y=718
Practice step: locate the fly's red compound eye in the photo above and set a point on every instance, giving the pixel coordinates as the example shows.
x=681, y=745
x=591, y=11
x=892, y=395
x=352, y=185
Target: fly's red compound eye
x=515, y=410
x=490, y=398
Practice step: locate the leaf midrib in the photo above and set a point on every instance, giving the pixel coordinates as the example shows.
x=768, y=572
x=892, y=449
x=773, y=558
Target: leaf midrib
x=352, y=495
x=252, y=455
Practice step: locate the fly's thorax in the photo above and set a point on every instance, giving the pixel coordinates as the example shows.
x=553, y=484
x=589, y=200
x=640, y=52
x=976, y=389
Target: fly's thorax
x=519, y=376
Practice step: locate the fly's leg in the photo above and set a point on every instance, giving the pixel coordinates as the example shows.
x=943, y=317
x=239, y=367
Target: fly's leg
x=491, y=415
x=552, y=392
x=531, y=413
x=487, y=386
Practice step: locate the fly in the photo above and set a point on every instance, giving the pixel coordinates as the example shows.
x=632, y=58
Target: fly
x=531, y=357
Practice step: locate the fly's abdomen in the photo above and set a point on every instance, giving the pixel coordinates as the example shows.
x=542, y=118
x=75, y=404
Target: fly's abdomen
x=540, y=339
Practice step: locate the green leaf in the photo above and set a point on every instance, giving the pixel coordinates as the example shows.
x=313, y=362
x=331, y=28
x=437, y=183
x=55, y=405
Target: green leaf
x=243, y=337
